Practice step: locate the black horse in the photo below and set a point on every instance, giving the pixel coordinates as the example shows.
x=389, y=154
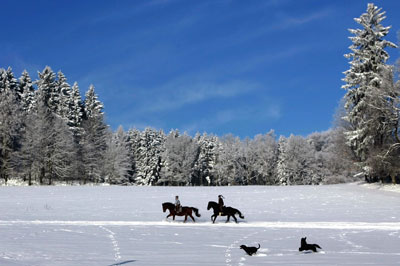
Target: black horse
x=226, y=211
x=186, y=211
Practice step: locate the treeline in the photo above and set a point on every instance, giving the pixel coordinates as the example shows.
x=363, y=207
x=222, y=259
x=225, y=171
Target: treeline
x=50, y=134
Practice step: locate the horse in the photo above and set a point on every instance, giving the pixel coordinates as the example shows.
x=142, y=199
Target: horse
x=226, y=211
x=186, y=211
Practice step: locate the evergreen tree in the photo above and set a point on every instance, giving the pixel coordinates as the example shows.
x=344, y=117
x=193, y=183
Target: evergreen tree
x=27, y=92
x=10, y=122
x=94, y=139
x=281, y=170
x=204, y=172
x=63, y=91
x=47, y=88
x=9, y=82
x=149, y=160
x=133, y=142
x=75, y=111
x=370, y=104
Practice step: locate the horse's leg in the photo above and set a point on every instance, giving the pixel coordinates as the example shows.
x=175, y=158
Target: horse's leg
x=185, y=218
x=168, y=216
x=215, y=217
x=191, y=216
x=229, y=216
x=235, y=218
x=173, y=217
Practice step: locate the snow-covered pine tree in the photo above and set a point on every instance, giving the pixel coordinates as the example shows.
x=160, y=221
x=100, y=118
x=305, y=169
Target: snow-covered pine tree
x=281, y=168
x=94, y=138
x=74, y=117
x=370, y=104
x=10, y=122
x=75, y=112
x=27, y=92
x=47, y=87
x=149, y=159
x=204, y=172
x=9, y=82
x=133, y=141
x=46, y=153
x=63, y=91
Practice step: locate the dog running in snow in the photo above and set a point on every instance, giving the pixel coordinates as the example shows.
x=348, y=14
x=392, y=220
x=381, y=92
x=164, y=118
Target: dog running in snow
x=250, y=250
x=305, y=246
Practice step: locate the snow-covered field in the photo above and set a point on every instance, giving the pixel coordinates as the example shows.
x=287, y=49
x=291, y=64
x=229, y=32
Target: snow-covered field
x=354, y=224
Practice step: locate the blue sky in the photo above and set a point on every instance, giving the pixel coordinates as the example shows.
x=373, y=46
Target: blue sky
x=222, y=66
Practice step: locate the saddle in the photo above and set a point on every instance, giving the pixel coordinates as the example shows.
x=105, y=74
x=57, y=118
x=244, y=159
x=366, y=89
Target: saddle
x=179, y=210
x=221, y=213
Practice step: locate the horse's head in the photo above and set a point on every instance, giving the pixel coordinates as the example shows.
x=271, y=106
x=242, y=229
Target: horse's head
x=164, y=207
x=209, y=205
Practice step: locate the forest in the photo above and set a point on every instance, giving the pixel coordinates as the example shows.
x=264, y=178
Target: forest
x=50, y=134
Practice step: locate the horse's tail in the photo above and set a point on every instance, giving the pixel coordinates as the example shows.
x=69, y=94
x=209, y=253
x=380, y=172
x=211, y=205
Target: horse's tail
x=317, y=246
x=196, y=211
x=259, y=246
x=240, y=214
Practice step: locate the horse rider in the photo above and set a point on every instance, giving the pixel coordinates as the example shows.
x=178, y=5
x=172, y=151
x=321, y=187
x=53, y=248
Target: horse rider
x=178, y=207
x=221, y=204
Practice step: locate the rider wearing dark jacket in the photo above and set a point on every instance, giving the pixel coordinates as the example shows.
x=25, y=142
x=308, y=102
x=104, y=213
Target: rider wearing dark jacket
x=221, y=202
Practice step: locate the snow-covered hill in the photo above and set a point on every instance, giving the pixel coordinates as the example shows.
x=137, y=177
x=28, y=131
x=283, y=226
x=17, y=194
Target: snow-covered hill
x=355, y=225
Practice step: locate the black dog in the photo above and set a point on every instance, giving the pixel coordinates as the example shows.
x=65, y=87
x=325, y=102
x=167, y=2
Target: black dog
x=250, y=250
x=305, y=246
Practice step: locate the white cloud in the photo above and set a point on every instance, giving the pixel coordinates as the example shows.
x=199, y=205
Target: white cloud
x=251, y=114
x=177, y=94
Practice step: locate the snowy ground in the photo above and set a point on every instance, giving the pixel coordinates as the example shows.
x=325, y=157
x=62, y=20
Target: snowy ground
x=354, y=224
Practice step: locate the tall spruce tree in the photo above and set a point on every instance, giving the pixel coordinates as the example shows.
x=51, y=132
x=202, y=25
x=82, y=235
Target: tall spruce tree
x=75, y=111
x=149, y=159
x=10, y=122
x=204, y=172
x=370, y=103
x=27, y=92
x=133, y=140
x=50, y=135
x=94, y=139
x=47, y=88
x=63, y=92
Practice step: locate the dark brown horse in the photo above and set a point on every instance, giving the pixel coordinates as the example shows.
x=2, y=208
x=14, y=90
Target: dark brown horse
x=186, y=211
x=226, y=211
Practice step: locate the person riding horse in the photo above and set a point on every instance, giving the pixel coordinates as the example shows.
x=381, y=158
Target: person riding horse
x=178, y=207
x=221, y=204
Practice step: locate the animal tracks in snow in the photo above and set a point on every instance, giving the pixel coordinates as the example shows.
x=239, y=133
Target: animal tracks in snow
x=289, y=225
x=235, y=245
x=114, y=242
